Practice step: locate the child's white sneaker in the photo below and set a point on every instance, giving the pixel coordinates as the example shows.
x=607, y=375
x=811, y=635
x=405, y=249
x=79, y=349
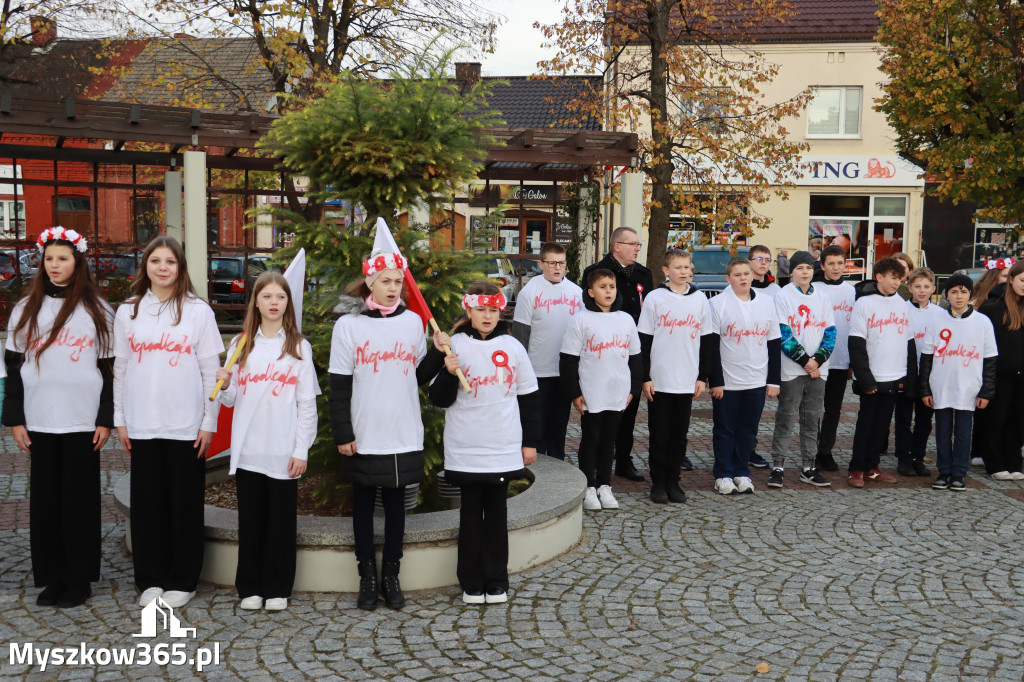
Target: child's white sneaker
x=150, y=595
x=590, y=501
x=277, y=604
x=743, y=484
x=1002, y=476
x=608, y=501
x=724, y=486
x=253, y=603
x=176, y=598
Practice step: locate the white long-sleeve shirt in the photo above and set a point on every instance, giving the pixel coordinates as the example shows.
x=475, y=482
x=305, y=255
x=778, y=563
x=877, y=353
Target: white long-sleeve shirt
x=164, y=372
x=275, y=407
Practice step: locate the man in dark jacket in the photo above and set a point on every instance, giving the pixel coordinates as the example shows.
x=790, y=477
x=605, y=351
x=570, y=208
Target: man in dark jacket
x=634, y=281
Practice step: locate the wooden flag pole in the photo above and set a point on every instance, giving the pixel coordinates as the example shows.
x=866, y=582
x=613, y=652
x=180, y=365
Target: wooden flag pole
x=448, y=351
x=231, y=363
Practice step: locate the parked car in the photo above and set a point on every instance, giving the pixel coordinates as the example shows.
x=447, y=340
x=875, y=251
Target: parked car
x=528, y=267
x=232, y=278
x=8, y=271
x=500, y=270
x=28, y=261
x=709, y=266
x=974, y=273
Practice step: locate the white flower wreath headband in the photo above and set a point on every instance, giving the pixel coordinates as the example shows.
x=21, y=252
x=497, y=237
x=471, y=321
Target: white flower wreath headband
x=59, y=233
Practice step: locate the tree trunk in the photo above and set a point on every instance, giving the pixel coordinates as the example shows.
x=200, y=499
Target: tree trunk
x=660, y=168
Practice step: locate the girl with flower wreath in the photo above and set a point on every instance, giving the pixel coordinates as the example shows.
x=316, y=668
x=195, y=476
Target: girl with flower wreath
x=167, y=352
x=378, y=360
x=490, y=434
x=59, y=405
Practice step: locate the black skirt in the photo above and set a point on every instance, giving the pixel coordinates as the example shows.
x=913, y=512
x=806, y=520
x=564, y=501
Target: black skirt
x=388, y=471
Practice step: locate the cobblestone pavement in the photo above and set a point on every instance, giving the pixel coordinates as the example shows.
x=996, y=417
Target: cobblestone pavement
x=889, y=582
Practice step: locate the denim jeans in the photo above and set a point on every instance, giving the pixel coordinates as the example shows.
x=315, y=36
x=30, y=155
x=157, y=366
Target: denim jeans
x=953, y=441
x=736, y=416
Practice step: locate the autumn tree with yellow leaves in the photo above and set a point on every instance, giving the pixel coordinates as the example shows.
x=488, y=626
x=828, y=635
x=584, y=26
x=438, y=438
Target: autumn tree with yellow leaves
x=686, y=75
x=955, y=97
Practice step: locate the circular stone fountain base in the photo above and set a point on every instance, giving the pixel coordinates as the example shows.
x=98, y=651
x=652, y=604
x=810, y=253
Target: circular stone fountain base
x=544, y=521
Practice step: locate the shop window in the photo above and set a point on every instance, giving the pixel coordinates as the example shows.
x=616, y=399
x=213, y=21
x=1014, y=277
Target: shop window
x=834, y=112
x=146, y=219
x=12, y=217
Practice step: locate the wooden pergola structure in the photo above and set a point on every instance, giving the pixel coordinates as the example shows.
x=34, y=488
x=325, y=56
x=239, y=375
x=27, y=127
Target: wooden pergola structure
x=110, y=133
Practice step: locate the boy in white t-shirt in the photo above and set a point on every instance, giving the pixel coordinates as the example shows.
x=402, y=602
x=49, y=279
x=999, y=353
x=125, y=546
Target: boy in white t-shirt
x=544, y=308
x=958, y=374
x=842, y=294
x=746, y=354
x=760, y=264
x=675, y=334
x=913, y=416
x=600, y=368
x=884, y=361
x=808, y=337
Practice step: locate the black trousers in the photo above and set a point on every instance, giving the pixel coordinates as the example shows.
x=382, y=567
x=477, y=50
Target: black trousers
x=168, y=488
x=669, y=421
x=64, y=508
x=483, y=537
x=835, y=390
x=266, y=535
x=624, y=435
x=393, y=501
x=554, y=416
x=1005, y=419
x=872, y=430
x=595, y=454
x=913, y=426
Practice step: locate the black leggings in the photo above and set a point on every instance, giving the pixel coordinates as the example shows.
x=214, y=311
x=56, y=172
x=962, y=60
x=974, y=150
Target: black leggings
x=393, y=501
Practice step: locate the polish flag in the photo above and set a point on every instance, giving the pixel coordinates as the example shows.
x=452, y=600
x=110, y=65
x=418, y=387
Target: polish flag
x=383, y=241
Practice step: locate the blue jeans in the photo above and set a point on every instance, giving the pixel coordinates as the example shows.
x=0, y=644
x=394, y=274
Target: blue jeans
x=953, y=441
x=736, y=417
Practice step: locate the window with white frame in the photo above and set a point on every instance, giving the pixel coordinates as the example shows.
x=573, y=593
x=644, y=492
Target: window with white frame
x=12, y=217
x=834, y=112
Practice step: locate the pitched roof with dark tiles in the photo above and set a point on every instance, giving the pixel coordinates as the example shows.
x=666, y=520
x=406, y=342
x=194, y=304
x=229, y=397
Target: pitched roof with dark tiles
x=826, y=20
x=525, y=102
x=64, y=70
x=222, y=74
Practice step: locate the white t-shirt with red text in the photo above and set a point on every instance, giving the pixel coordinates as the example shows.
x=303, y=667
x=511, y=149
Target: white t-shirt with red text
x=808, y=316
x=267, y=428
x=744, y=329
x=603, y=342
x=921, y=322
x=546, y=308
x=959, y=346
x=884, y=322
x=842, y=296
x=482, y=430
x=62, y=393
x=163, y=387
x=381, y=355
x=676, y=322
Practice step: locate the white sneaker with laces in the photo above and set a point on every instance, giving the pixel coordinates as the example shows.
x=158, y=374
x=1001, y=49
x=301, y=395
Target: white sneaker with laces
x=1002, y=476
x=743, y=484
x=724, y=486
x=608, y=501
x=150, y=595
x=253, y=603
x=176, y=599
x=277, y=604
x=590, y=501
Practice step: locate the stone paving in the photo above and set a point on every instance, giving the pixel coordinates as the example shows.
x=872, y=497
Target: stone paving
x=889, y=582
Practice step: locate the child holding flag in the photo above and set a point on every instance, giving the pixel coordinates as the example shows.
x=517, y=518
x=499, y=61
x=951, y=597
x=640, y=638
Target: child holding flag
x=166, y=349
x=377, y=362
x=490, y=433
x=273, y=389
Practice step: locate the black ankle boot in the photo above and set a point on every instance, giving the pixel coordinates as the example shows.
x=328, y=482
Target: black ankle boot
x=389, y=586
x=367, y=585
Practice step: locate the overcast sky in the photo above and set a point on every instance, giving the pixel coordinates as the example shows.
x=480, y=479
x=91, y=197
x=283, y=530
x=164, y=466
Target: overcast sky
x=518, y=44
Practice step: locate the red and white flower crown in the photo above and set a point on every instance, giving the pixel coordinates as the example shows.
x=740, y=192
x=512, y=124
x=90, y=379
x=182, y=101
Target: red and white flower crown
x=1000, y=263
x=59, y=233
x=476, y=300
x=381, y=262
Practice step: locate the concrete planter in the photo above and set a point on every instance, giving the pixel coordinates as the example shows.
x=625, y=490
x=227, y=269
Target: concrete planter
x=544, y=521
